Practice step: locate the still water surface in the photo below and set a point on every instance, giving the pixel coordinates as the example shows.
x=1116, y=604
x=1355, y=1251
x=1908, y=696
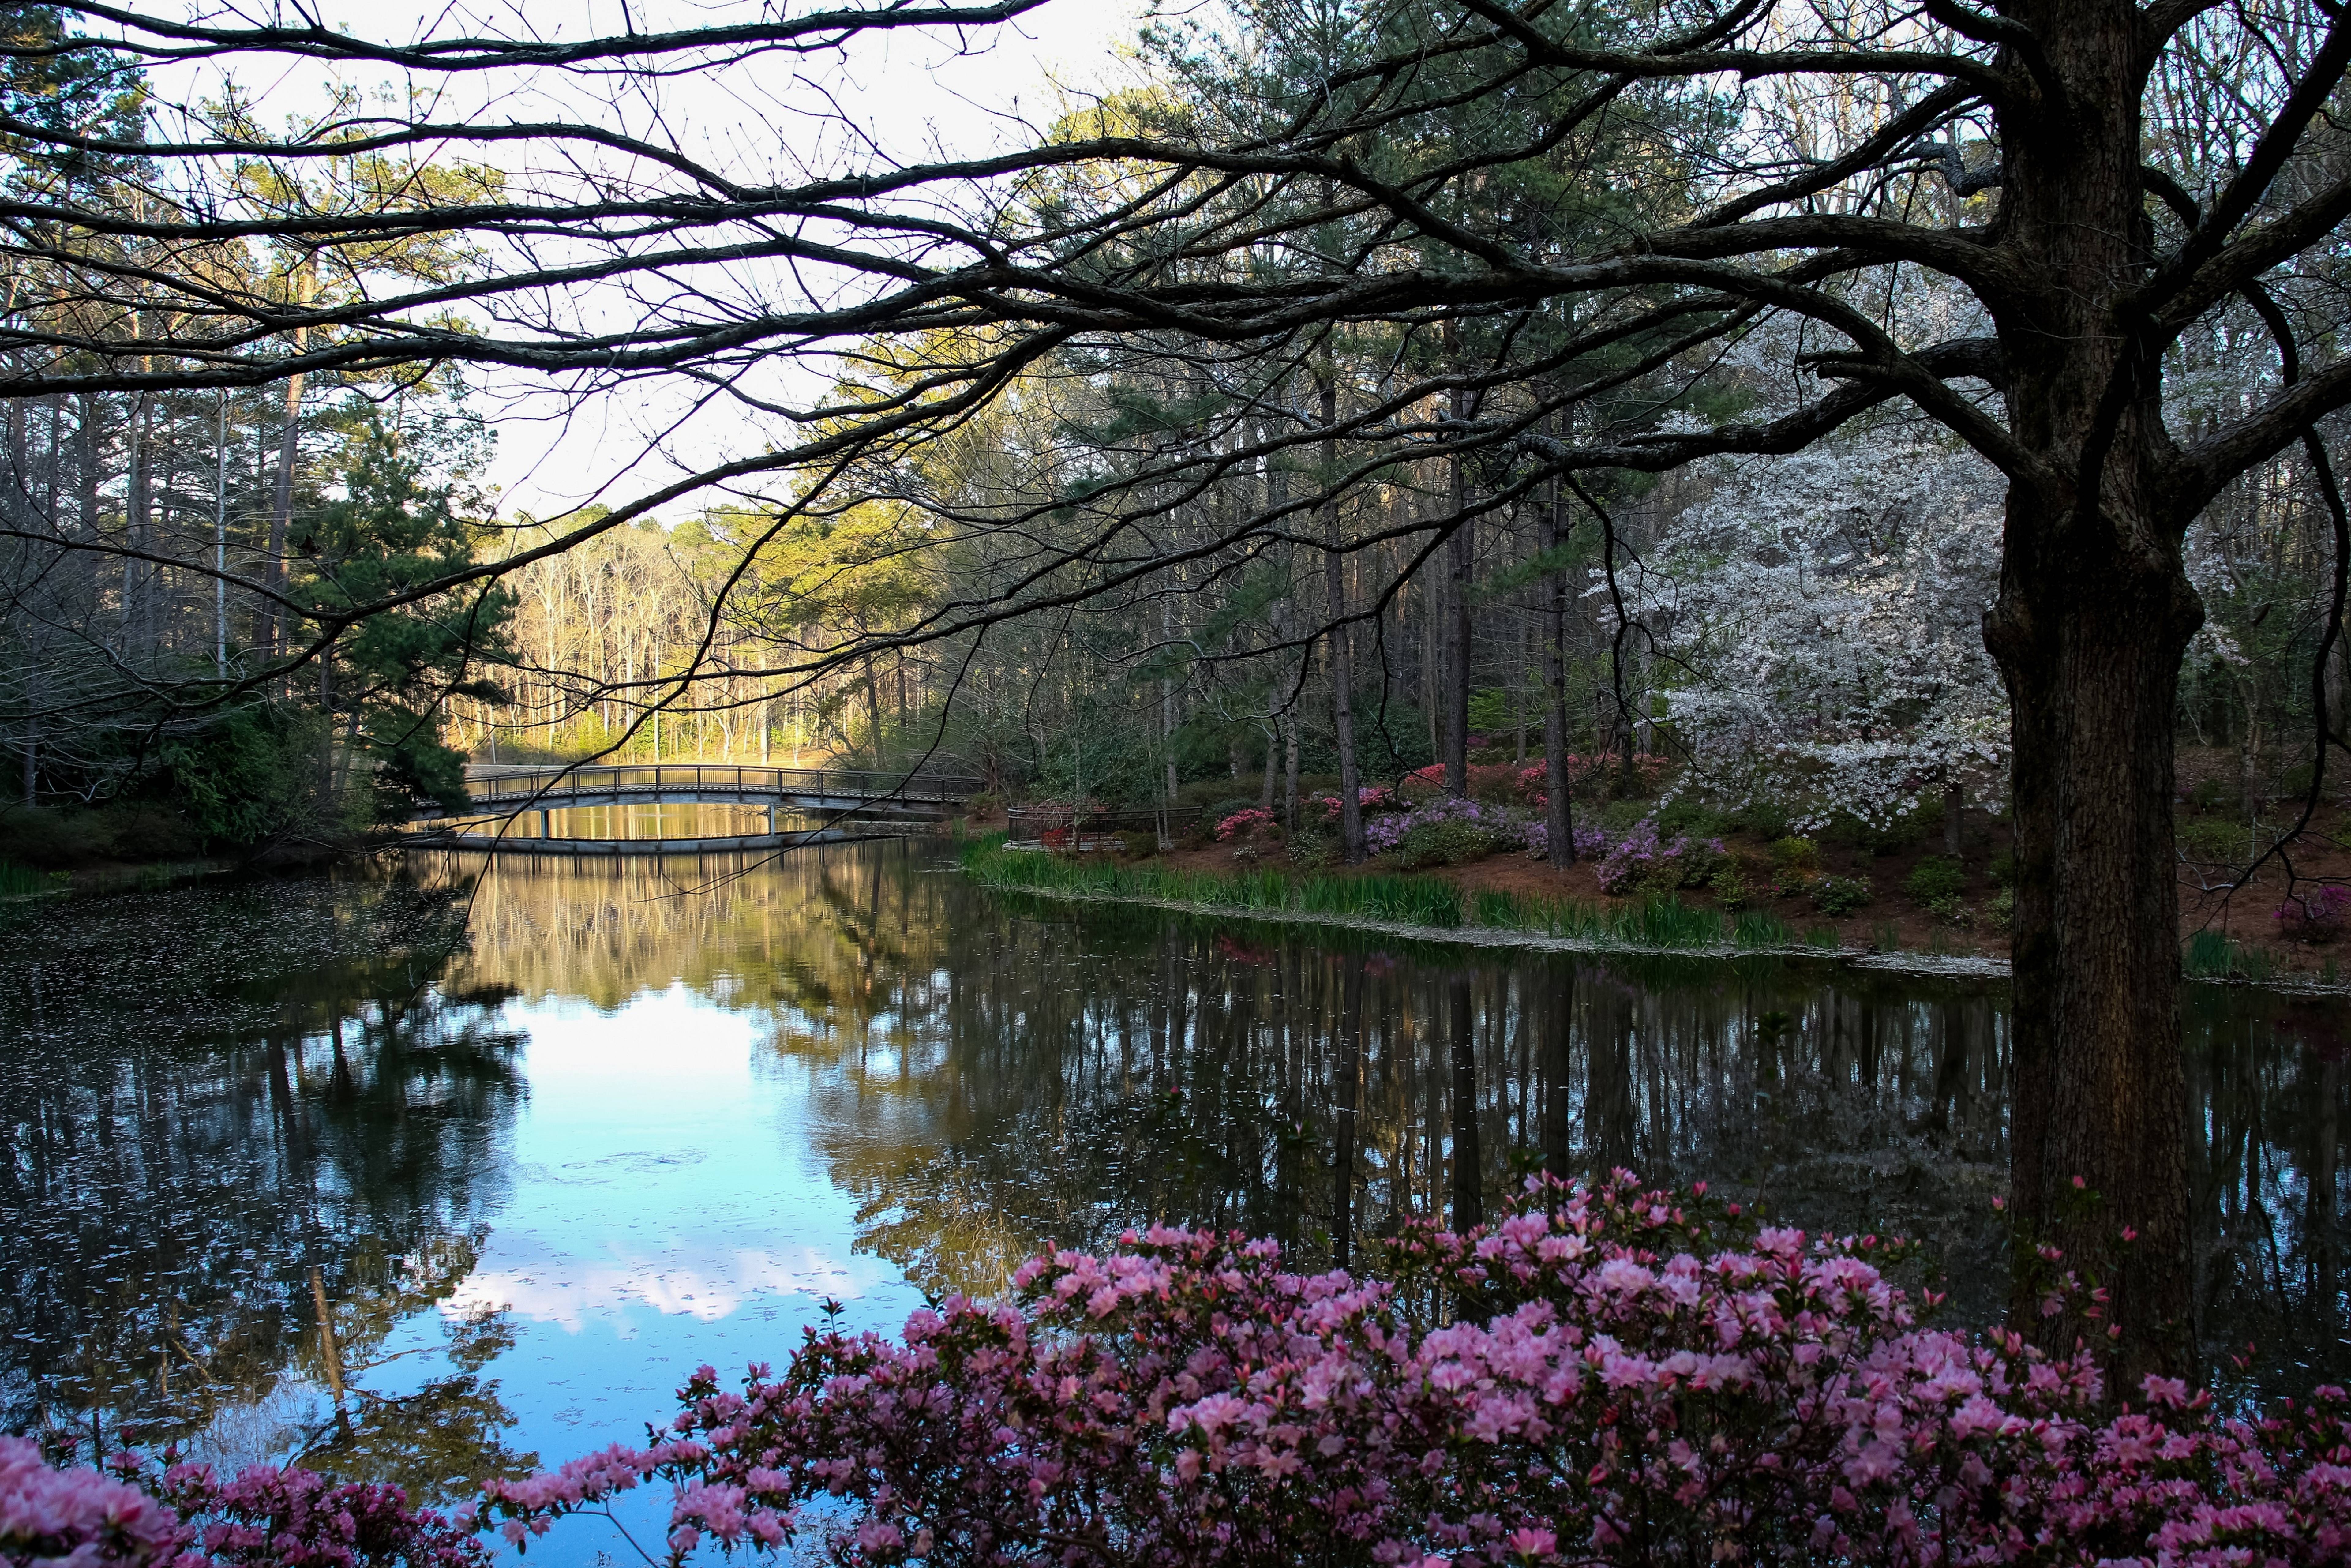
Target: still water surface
x=436, y=1174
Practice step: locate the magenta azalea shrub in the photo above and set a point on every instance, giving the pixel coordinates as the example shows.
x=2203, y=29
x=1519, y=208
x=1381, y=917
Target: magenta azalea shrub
x=1589, y=840
x=183, y=1517
x=1245, y=824
x=1370, y=797
x=2314, y=917
x=1641, y=859
x=1627, y=1379
x=1497, y=824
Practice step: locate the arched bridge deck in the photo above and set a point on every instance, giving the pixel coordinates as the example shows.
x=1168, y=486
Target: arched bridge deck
x=836, y=792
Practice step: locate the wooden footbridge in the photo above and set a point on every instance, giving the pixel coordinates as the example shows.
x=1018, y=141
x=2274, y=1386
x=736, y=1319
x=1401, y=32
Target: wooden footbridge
x=512, y=809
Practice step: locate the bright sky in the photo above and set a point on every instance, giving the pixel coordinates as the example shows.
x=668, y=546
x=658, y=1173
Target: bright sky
x=914, y=96
x=918, y=98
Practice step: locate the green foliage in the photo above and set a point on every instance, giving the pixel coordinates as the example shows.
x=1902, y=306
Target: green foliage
x=1761, y=928
x=1684, y=816
x=1728, y=886
x=1892, y=837
x=251, y=778
x=392, y=531
x=1669, y=923
x=1618, y=816
x=1840, y=895
x=1420, y=901
x=2214, y=955
x=1795, y=864
x=1444, y=842
x=1405, y=900
x=2213, y=840
x=2001, y=910
x=21, y=882
x=1766, y=819
x=1936, y=881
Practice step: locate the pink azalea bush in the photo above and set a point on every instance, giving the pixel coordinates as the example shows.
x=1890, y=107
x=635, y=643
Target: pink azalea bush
x=1627, y=1377
x=2314, y=917
x=182, y=1516
x=1641, y=859
x=1589, y=840
x=1370, y=797
x=1243, y=825
x=1534, y=782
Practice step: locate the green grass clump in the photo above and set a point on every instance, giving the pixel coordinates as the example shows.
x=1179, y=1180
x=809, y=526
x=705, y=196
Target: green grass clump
x=17, y=881
x=1413, y=900
x=1762, y=928
x=2212, y=956
x=1669, y=923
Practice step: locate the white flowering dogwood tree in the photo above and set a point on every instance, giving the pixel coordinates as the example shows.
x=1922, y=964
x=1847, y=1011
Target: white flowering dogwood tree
x=1820, y=617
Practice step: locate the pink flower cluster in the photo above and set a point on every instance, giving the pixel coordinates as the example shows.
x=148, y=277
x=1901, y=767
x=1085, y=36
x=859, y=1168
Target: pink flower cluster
x=2316, y=916
x=1627, y=1377
x=1245, y=824
x=1534, y=782
x=1370, y=797
x=1643, y=859
x=184, y=1517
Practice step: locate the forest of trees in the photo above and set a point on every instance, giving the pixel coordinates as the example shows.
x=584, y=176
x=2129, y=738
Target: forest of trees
x=1866, y=405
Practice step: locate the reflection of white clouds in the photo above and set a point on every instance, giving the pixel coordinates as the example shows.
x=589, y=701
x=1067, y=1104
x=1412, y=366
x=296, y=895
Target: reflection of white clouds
x=569, y=1291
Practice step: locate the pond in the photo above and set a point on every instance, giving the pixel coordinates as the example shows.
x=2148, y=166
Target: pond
x=458, y=1168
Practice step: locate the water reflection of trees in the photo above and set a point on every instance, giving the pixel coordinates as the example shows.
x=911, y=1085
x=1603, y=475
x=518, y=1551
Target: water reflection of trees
x=1078, y=1075
x=2270, y=1095
x=992, y=1073
x=246, y=1142
x=989, y=1073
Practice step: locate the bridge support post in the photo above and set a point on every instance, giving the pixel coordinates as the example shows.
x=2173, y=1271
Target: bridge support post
x=545, y=831
x=771, y=818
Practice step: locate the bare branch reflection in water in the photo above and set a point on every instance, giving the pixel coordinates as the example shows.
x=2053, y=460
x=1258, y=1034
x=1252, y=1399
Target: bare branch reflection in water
x=208, y=1093
x=209, y=1099
x=995, y=1074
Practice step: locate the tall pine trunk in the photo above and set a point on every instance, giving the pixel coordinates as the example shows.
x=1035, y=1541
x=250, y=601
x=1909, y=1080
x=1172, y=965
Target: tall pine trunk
x=1559, y=821
x=1458, y=558
x=274, y=629
x=1343, y=663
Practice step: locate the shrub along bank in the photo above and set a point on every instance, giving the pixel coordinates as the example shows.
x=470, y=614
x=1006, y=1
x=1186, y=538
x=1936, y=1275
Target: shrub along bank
x=1609, y=1376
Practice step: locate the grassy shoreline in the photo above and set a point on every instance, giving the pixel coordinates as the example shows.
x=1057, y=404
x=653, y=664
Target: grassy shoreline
x=1435, y=909
x=1431, y=903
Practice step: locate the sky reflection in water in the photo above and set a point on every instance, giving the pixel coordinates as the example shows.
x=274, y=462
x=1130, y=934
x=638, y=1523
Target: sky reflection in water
x=641, y=1117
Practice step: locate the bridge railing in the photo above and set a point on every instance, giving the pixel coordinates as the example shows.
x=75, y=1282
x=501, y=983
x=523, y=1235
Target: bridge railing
x=925, y=788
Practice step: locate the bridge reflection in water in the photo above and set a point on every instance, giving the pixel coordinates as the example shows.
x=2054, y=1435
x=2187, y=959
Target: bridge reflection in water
x=520, y=810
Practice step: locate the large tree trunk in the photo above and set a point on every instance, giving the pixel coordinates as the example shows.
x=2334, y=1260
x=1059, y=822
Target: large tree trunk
x=2093, y=617
x=2097, y=1089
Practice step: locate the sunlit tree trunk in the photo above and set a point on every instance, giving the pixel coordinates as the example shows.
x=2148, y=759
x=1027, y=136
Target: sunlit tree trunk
x=281, y=509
